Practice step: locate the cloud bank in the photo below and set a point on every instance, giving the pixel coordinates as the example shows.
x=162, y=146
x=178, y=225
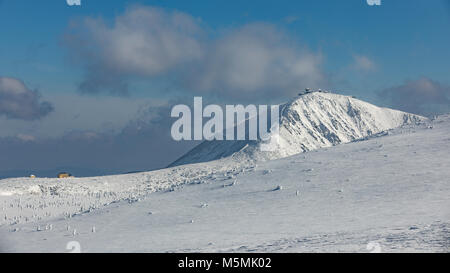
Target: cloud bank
x=19, y=102
x=143, y=144
x=152, y=43
x=422, y=96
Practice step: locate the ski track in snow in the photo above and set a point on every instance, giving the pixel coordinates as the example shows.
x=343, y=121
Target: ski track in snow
x=393, y=190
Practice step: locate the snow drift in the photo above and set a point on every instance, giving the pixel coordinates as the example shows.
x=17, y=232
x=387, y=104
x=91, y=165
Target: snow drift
x=309, y=122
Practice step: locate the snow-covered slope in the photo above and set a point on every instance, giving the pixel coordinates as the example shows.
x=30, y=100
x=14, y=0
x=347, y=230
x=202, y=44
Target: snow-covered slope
x=392, y=191
x=309, y=122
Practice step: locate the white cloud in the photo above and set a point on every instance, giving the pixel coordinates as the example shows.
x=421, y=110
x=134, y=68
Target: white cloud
x=19, y=102
x=256, y=58
x=144, y=41
x=147, y=42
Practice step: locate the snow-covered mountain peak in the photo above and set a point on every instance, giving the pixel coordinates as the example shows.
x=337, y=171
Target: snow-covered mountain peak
x=308, y=122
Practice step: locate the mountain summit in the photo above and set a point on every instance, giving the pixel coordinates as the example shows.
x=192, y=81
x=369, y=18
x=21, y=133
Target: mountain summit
x=310, y=121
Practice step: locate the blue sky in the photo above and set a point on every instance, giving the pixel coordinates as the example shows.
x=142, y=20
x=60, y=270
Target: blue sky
x=406, y=39
x=377, y=53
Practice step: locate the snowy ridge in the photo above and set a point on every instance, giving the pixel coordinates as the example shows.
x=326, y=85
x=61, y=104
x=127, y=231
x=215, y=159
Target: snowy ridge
x=310, y=122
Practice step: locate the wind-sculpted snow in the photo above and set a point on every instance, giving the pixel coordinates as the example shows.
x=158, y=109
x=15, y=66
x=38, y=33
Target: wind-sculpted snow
x=35, y=199
x=310, y=122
